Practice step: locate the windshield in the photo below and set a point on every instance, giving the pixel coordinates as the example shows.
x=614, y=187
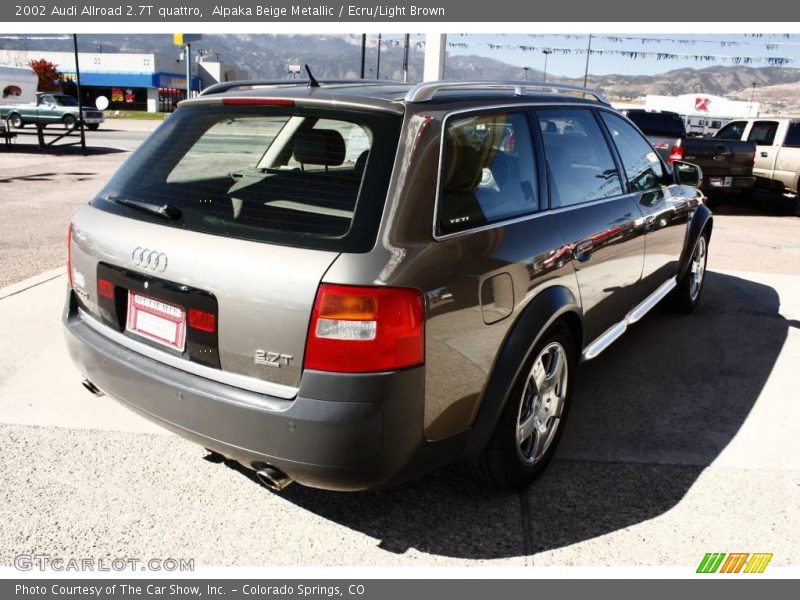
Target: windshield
x=302, y=177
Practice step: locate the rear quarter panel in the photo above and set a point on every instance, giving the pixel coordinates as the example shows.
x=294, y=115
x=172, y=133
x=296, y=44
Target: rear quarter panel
x=462, y=336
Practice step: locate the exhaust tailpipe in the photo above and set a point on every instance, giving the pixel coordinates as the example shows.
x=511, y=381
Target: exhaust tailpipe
x=92, y=387
x=273, y=479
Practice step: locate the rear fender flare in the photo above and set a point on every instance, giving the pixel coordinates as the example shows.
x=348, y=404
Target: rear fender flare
x=541, y=312
x=701, y=220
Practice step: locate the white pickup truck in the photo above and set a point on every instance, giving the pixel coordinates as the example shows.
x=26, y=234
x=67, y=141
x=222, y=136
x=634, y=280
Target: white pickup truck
x=777, y=161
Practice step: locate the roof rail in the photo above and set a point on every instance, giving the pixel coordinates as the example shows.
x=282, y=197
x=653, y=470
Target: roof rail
x=423, y=92
x=225, y=86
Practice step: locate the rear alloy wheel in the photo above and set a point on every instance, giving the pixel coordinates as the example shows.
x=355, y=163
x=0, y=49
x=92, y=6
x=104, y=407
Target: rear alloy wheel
x=69, y=121
x=16, y=121
x=690, y=286
x=533, y=419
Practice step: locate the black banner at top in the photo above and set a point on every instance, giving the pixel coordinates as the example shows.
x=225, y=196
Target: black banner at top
x=419, y=11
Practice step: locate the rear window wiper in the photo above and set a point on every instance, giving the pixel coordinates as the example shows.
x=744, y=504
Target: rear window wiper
x=165, y=211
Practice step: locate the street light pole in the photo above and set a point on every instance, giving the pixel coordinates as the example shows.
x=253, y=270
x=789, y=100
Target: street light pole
x=546, y=53
x=363, y=53
x=588, y=54
x=752, y=97
x=378, y=66
x=188, y=71
x=405, y=57
x=526, y=69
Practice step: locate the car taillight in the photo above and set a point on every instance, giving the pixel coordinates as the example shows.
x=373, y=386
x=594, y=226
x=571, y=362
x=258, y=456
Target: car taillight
x=364, y=329
x=69, y=255
x=202, y=320
x=105, y=289
x=676, y=152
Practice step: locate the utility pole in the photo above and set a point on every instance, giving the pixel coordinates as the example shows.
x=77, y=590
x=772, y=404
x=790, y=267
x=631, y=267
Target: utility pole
x=752, y=97
x=546, y=53
x=588, y=54
x=526, y=69
x=378, y=67
x=363, y=53
x=188, y=56
x=78, y=88
x=405, y=58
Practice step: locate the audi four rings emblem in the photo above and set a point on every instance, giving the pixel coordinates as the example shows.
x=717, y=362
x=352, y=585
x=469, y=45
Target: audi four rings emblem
x=150, y=259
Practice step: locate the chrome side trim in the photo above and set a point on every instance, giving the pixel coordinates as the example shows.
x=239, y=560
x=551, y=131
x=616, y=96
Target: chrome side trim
x=615, y=331
x=250, y=384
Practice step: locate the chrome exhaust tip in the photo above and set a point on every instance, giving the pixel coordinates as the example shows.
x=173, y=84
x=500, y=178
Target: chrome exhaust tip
x=92, y=387
x=273, y=479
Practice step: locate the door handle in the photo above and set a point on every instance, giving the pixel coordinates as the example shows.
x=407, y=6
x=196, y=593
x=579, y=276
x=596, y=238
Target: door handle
x=765, y=155
x=583, y=250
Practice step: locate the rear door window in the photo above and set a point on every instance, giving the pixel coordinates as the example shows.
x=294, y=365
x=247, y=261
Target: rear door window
x=793, y=136
x=488, y=171
x=311, y=178
x=763, y=133
x=642, y=165
x=580, y=164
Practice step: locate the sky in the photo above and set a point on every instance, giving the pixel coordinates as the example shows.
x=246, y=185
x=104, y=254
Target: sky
x=736, y=45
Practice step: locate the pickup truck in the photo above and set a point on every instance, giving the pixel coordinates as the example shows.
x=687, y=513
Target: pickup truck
x=727, y=164
x=51, y=109
x=777, y=162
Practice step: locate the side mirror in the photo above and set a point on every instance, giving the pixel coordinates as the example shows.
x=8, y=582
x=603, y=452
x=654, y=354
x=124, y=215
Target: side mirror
x=684, y=173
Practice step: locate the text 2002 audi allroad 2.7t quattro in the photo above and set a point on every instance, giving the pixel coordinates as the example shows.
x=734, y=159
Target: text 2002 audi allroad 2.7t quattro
x=348, y=284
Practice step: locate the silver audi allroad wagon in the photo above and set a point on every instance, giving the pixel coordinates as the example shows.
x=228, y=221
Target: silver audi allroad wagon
x=349, y=283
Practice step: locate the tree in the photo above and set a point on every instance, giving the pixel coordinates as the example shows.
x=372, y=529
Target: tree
x=48, y=74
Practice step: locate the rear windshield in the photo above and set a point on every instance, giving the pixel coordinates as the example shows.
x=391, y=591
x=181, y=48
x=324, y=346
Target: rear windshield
x=661, y=124
x=301, y=177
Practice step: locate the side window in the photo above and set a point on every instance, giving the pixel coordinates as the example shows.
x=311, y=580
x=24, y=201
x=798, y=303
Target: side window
x=579, y=161
x=793, y=136
x=48, y=99
x=488, y=172
x=763, y=133
x=732, y=131
x=641, y=163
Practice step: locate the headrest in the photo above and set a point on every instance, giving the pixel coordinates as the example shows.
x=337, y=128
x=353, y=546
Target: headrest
x=361, y=162
x=319, y=147
x=549, y=127
x=463, y=169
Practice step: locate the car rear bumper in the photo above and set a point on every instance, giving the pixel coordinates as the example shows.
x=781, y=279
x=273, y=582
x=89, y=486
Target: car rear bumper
x=342, y=432
x=718, y=183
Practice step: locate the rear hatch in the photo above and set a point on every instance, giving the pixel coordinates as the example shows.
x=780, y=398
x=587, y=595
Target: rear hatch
x=207, y=248
x=720, y=158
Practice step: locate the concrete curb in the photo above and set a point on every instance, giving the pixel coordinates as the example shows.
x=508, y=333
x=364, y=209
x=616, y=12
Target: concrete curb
x=26, y=284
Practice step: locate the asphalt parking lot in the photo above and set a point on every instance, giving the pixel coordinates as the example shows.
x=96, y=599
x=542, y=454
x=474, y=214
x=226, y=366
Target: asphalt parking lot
x=683, y=437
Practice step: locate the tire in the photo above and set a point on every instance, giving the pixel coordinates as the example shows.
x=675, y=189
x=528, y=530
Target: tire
x=93, y=126
x=15, y=120
x=69, y=121
x=512, y=458
x=686, y=295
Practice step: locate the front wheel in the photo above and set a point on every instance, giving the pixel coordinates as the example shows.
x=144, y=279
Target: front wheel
x=686, y=295
x=69, y=121
x=532, y=421
x=93, y=126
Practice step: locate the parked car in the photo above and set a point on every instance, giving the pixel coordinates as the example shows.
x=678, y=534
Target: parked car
x=777, y=161
x=51, y=109
x=322, y=283
x=727, y=164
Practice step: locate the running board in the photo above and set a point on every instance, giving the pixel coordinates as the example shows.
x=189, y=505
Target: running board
x=640, y=310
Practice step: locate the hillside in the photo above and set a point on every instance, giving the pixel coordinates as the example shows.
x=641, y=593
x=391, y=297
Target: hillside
x=267, y=56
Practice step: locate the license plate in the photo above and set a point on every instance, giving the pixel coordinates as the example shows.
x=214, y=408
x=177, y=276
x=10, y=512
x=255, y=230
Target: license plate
x=721, y=181
x=156, y=320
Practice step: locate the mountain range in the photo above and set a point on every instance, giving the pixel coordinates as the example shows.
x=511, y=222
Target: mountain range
x=268, y=56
